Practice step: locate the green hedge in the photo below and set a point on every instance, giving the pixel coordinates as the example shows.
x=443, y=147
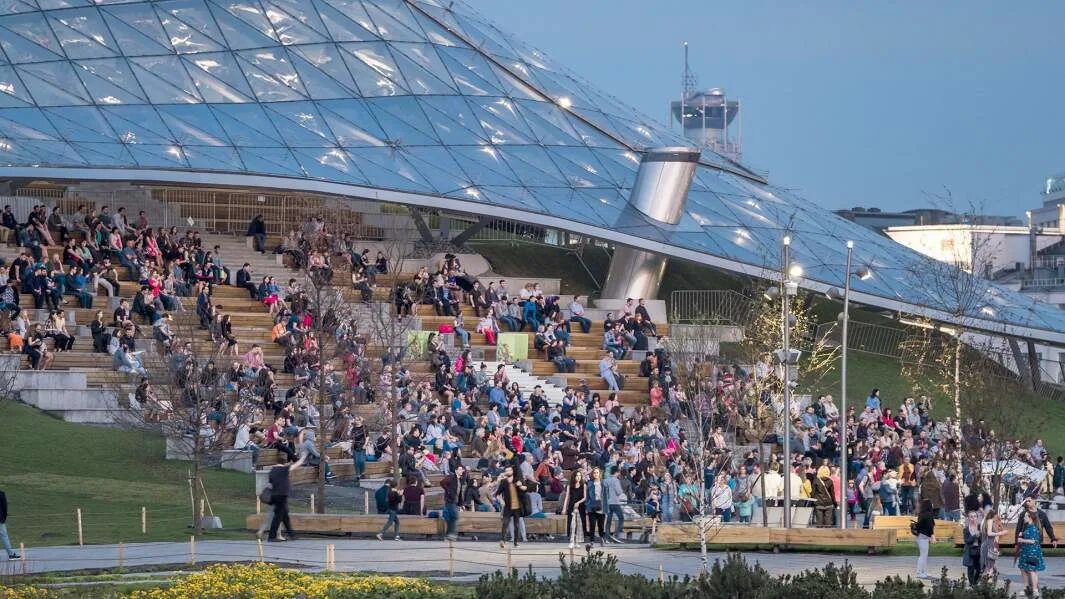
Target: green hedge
x=597, y=575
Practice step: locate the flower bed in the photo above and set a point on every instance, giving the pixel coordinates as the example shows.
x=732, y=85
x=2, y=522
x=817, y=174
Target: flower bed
x=262, y=581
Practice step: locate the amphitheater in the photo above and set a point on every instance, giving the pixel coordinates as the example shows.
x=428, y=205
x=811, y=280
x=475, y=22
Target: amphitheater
x=418, y=130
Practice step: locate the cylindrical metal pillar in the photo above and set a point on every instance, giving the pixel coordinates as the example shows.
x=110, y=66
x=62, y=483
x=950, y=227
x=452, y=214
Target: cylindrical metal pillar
x=660, y=192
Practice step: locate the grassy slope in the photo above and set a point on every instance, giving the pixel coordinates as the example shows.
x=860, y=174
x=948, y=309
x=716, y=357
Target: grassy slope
x=51, y=468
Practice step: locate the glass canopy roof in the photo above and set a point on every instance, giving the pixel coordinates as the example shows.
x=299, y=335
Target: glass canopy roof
x=424, y=97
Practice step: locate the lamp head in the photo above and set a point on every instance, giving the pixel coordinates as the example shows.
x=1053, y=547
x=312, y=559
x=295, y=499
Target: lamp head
x=864, y=273
x=772, y=293
x=834, y=293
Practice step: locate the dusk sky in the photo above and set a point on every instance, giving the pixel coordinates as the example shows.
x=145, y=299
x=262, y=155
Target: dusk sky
x=852, y=104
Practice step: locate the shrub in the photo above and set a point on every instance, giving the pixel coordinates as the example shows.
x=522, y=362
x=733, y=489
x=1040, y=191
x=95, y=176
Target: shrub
x=25, y=592
x=831, y=581
x=897, y=588
x=735, y=579
x=498, y=585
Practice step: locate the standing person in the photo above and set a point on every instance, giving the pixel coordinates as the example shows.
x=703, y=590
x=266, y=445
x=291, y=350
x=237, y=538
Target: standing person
x=1030, y=550
x=970, y=555
x=280, y=487
x=721, y=498
x=358, y=448
x=1040, y=518
x=925, y=528
x=393, y=501
x=824, y=498
x=990, y=531
x=452, y=487
x=576, y=495
x=11, y=553
x=257, y=232
x=510, y=491
x=615, y=502
x=595, y=508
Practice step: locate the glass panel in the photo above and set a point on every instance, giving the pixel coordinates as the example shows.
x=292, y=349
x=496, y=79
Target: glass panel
x=437, y=167
x=270, y=161
x=26, y=123
x=82, y=33
x=434, y=32
x=470, y=71
x=190, y=26
x=352, y=124
x=246, y=124
x=515, y=87
x=388, y=27
x=453, y=120
x=171, y=156
x=500, y=121
x=332, y=164
x=105, y=154
x=137, y=30
x=403, y=120
x=295, y=21
x=55, y=152
x=389, y=167
x=53, y=84
x=533, y=166
x=81, y=123
x=13, y=90
x=621, y=165
x=372, y=66
x=548, y=123
x=165, y=80
x=347, y=20
x=218, y=77
x=110, y=81
x=426, y=57
x=300, y=125
x=420, y=80
x=138, y=125
x=193, y=124
x=580, y=166
x=318, y=83
x=28, y=39
x=213, y=158
x=271, y=76
x=484, y=165
x=243, y=24
x=8, y=7
x=323, y=71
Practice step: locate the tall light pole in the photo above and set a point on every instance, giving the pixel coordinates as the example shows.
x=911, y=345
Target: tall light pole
x=862, y=273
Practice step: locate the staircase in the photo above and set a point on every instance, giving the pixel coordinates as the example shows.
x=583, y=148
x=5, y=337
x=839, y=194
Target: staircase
x=527, y=382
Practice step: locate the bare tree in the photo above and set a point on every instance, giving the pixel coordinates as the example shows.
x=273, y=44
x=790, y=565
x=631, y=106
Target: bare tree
x=179, y=391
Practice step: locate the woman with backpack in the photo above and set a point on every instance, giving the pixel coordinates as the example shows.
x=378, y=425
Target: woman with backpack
x=924, y=529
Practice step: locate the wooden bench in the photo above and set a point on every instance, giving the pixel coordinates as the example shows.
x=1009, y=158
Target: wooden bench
x=946, y=530
x=687, y=534
x=470, y=523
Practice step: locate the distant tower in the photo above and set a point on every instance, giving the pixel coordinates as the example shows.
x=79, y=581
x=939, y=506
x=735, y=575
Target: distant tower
x=708, y=116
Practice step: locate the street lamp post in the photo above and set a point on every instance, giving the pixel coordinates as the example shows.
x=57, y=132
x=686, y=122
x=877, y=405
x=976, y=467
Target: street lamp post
x=863, y=274
x=785, y=309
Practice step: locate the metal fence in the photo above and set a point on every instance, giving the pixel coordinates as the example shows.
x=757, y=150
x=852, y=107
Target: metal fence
x=709, y=306
x=867, y=337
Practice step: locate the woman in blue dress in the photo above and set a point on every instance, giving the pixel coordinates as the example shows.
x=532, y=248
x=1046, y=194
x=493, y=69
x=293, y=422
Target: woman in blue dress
x=1030, y=552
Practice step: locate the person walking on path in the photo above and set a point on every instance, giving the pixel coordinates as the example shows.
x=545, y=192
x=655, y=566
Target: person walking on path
x=510, y=493
x=452, y=487
x=279, y=491
x=970, y=556
x=990, y=531
x=393, y=502
x=925, y=531
x=11, y=553
x=1030, y=551
x=615, y=502
x=1040, y=519
x=576, y=494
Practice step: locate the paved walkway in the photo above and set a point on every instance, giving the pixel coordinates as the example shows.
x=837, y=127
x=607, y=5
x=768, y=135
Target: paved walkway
x=470, y=558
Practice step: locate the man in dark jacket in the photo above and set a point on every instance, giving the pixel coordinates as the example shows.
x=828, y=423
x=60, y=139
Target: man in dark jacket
x=452, y=487
x=244, y=279
x=257, y=231
x=11, y=553
x=1044, y=522
x=358, y=447
x=511, y=491
x=280, y=487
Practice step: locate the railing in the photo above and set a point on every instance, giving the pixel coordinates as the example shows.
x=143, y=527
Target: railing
x=1039, y=283
x=709, y=306
x=866, y=337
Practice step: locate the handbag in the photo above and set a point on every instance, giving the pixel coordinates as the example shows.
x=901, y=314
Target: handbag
x=266, y=496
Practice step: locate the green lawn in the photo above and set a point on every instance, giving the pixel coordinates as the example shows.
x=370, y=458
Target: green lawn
x=51, y=468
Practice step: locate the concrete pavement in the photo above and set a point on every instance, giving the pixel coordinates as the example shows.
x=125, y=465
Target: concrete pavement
x=471, y=558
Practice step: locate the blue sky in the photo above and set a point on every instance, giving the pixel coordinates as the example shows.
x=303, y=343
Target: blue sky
x=850, y=103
